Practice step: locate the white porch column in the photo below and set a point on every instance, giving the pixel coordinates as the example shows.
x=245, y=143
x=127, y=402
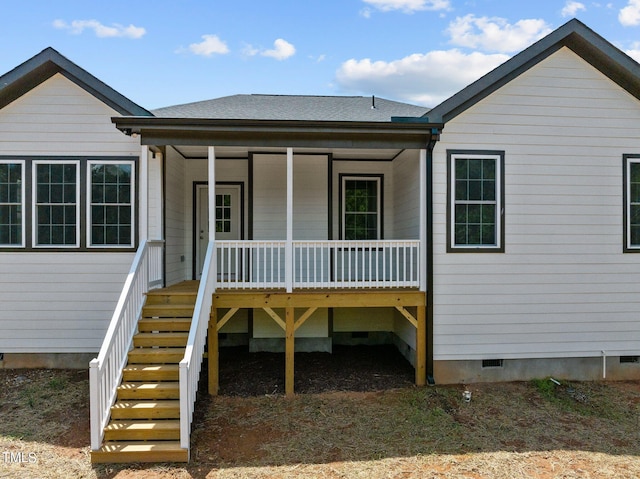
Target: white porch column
x=212, y=211
x=144, y=193
x=288, y=256
x=423, y=220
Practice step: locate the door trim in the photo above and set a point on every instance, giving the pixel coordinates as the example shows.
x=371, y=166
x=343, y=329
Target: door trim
x=194, y=223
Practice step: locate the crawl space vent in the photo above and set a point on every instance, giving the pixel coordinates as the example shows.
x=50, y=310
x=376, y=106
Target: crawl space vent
x=492, y=363
x=629, y=359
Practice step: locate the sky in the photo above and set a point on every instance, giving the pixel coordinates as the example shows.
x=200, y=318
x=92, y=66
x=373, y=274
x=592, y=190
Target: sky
x=160, y=53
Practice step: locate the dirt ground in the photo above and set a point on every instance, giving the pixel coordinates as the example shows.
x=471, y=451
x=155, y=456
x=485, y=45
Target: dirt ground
x=356, y=415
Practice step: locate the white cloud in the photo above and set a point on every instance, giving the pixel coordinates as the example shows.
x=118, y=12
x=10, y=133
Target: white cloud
x=496, y=34
x=571, y=8
x=210, y=45
x=406, y=6
x=629, y=16
x=634, y=51
x=282, y=50
x=426, y=79
x=76, y=27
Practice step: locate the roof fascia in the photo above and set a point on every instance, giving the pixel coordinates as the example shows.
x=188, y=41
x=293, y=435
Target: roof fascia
x=47, y=63
x=574, y=35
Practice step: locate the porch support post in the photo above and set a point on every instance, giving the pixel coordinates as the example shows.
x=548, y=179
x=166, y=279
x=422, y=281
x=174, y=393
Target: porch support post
x=212, y=352
x=288, y=257
x=144, y=193
x=212, y=275
x=421, y=347
x=423, y=220
x=212, y=212
x=289, y=351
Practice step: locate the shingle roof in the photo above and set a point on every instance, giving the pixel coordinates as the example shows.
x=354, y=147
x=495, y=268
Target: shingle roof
x=293, y=107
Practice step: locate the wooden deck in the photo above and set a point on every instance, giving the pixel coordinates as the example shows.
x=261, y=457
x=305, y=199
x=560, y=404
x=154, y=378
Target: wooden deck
x=299, y=305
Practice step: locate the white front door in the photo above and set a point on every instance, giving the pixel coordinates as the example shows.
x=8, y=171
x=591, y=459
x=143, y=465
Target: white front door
x=228, y=218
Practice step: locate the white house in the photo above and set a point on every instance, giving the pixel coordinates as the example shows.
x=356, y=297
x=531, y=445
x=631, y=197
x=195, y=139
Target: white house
x=489, y=238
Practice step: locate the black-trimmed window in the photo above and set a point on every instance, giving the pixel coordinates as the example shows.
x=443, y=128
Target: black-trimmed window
x=631, y=203
x=361, y=205
x=11, y=203
x=110, y=209
x=56, y=193
x=475, y=201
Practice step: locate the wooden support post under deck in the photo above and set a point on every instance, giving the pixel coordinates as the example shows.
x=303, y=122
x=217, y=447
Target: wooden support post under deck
x=214, y=363
x=421, y=348
x=289, y=351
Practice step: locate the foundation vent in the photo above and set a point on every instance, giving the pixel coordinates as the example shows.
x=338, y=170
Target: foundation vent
x=360, y=334
x=492, y=363
x=629, y=359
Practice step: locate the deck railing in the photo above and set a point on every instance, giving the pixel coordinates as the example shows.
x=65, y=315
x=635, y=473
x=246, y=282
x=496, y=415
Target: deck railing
x=105, y=371
x=319, y=264
x=192, y=362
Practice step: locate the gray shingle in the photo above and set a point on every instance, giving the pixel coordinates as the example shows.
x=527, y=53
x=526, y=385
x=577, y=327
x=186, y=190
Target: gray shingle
x=293, y=107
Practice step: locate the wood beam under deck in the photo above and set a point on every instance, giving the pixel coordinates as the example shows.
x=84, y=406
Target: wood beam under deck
x=310, y=301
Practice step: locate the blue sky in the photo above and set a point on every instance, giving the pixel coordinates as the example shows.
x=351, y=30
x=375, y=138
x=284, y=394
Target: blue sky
x=161, y=53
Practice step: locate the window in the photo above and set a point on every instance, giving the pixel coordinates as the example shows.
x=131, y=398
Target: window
x=56, y=193
x=110, y=208
x=632, y=203
x=361, y=219
x=475, y=201
x=11, y=203
x=223, y=213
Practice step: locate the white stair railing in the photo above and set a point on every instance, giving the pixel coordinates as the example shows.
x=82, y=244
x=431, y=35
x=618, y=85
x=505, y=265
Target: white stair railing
x=191, y=364
x=105, y=371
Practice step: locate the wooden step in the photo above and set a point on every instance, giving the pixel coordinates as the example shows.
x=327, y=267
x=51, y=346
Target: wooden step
x=122, y=452
x=143, y=430
x=164, y=409
x=151, y=372
x=136, y=390
x=155, y=355
x=171, y=298
x=167, y=311
x=147, y=325
x=160, y=339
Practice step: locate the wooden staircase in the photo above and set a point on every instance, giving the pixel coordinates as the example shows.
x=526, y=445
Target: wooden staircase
x=145, y=419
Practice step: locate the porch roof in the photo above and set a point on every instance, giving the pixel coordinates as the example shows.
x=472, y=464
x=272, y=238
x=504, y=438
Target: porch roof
x=396, y=133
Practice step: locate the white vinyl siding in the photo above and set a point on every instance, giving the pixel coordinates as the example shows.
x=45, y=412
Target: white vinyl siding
x=58, y=302
x=175, y=240
x=12, y=203
x=406, y=191
x=563, y=287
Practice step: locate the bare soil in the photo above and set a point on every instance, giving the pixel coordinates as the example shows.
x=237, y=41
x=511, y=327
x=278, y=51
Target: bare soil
x=356, y=415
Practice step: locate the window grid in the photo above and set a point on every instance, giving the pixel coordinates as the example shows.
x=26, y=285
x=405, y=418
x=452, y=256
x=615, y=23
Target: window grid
x=223, y=213
x=11, y=204
x=475, y=186
x=110, y=204
x=633, y=195
x=56, y=194
x=361, y=209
